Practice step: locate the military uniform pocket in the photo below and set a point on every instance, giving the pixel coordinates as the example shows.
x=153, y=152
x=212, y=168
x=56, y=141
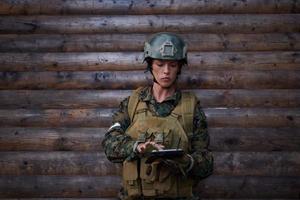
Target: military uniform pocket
x=149, y=175
x=130, y=178
x=156, y=179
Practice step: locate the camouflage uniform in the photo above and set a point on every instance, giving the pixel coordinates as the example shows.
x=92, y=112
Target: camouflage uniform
x=118, y=146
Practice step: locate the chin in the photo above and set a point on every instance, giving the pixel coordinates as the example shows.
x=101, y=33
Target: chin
x=165, y=86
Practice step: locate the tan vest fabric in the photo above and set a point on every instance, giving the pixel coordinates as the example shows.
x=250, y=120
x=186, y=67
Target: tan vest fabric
x=153, y=180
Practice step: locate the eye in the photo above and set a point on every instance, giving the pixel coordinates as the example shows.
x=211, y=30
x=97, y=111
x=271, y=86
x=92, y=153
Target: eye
x=160, y=64
x=173, y=65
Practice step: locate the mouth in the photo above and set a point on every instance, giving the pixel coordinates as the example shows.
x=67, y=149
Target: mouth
x=165, y=79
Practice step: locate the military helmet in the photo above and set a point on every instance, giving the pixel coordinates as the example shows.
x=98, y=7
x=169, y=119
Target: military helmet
x=166, y=46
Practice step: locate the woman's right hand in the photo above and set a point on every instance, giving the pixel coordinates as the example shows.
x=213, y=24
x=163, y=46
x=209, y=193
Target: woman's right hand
x=142, y=147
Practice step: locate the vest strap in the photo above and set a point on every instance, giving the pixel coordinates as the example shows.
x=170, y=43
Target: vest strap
x=133, y=103
x=186, y=109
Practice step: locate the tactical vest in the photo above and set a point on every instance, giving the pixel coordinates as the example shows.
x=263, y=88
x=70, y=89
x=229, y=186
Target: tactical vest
x=153, y=180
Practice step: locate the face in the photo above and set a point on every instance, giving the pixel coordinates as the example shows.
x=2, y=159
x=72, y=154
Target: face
x=165, y=72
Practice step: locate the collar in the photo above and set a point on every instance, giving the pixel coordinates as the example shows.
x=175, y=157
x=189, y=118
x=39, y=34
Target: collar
x=146, y=95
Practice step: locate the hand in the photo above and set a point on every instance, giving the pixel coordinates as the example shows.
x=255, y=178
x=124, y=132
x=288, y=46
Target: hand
x=142, y=147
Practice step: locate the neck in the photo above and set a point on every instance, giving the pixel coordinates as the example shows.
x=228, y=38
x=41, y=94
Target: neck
x=160, y=93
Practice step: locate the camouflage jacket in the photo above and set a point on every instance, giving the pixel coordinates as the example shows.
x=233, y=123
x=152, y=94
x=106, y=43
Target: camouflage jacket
x=118, y=146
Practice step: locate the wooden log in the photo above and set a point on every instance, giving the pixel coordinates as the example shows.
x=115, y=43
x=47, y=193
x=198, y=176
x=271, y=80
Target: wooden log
x=89, y=139
x=58, y=186
x=56, y=117
x=192, y=79
x=257, y=164
x=71, y=61
x=117, y=199
x=254, y=117
x=52, y=139
x=129, y=61
x=78, y=98
x=135, y=42
x=57, y=163
x=105, y=7
x=95, y=164
x=244, y=23
x=112, y=198
x=254, y=139
x=45, y=99
x=249, y=187
x=217, y=117
x=88, y=186
x=248, y=98
x=89, y=199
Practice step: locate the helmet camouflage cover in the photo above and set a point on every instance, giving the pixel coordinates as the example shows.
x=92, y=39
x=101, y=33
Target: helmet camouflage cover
x=166, y=46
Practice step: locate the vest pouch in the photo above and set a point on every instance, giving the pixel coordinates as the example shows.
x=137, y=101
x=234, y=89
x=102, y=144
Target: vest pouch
x=165, y=182
x=149, y=175
x=167, y=138
x=170, y=185
x=130, y=178
x=157, y=180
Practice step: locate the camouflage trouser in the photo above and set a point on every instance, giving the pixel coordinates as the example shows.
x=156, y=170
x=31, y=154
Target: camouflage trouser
x=123, y=196
x=147, y=198
x=190, y=198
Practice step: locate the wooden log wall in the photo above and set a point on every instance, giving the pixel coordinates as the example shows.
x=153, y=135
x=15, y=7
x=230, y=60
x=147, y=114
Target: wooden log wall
x=66, y=64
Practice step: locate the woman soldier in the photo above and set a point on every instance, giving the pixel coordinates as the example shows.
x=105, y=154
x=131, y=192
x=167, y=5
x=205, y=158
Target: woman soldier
x=159, y=133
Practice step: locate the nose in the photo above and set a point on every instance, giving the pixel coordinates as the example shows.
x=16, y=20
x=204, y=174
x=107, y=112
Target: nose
x=166, y=69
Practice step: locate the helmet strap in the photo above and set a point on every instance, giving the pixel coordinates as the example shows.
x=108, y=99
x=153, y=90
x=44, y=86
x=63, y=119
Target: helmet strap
x=154, y=79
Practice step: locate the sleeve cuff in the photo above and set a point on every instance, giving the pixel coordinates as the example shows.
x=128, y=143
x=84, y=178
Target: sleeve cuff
x=192, y=161
x=132, y=153
x=135, y=147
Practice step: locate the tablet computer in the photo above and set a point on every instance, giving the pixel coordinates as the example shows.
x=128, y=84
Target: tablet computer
x=167, y=153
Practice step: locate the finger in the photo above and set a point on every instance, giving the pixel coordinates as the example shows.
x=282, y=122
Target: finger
x=141, y=148
x=159, y=146
x=147, y=144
